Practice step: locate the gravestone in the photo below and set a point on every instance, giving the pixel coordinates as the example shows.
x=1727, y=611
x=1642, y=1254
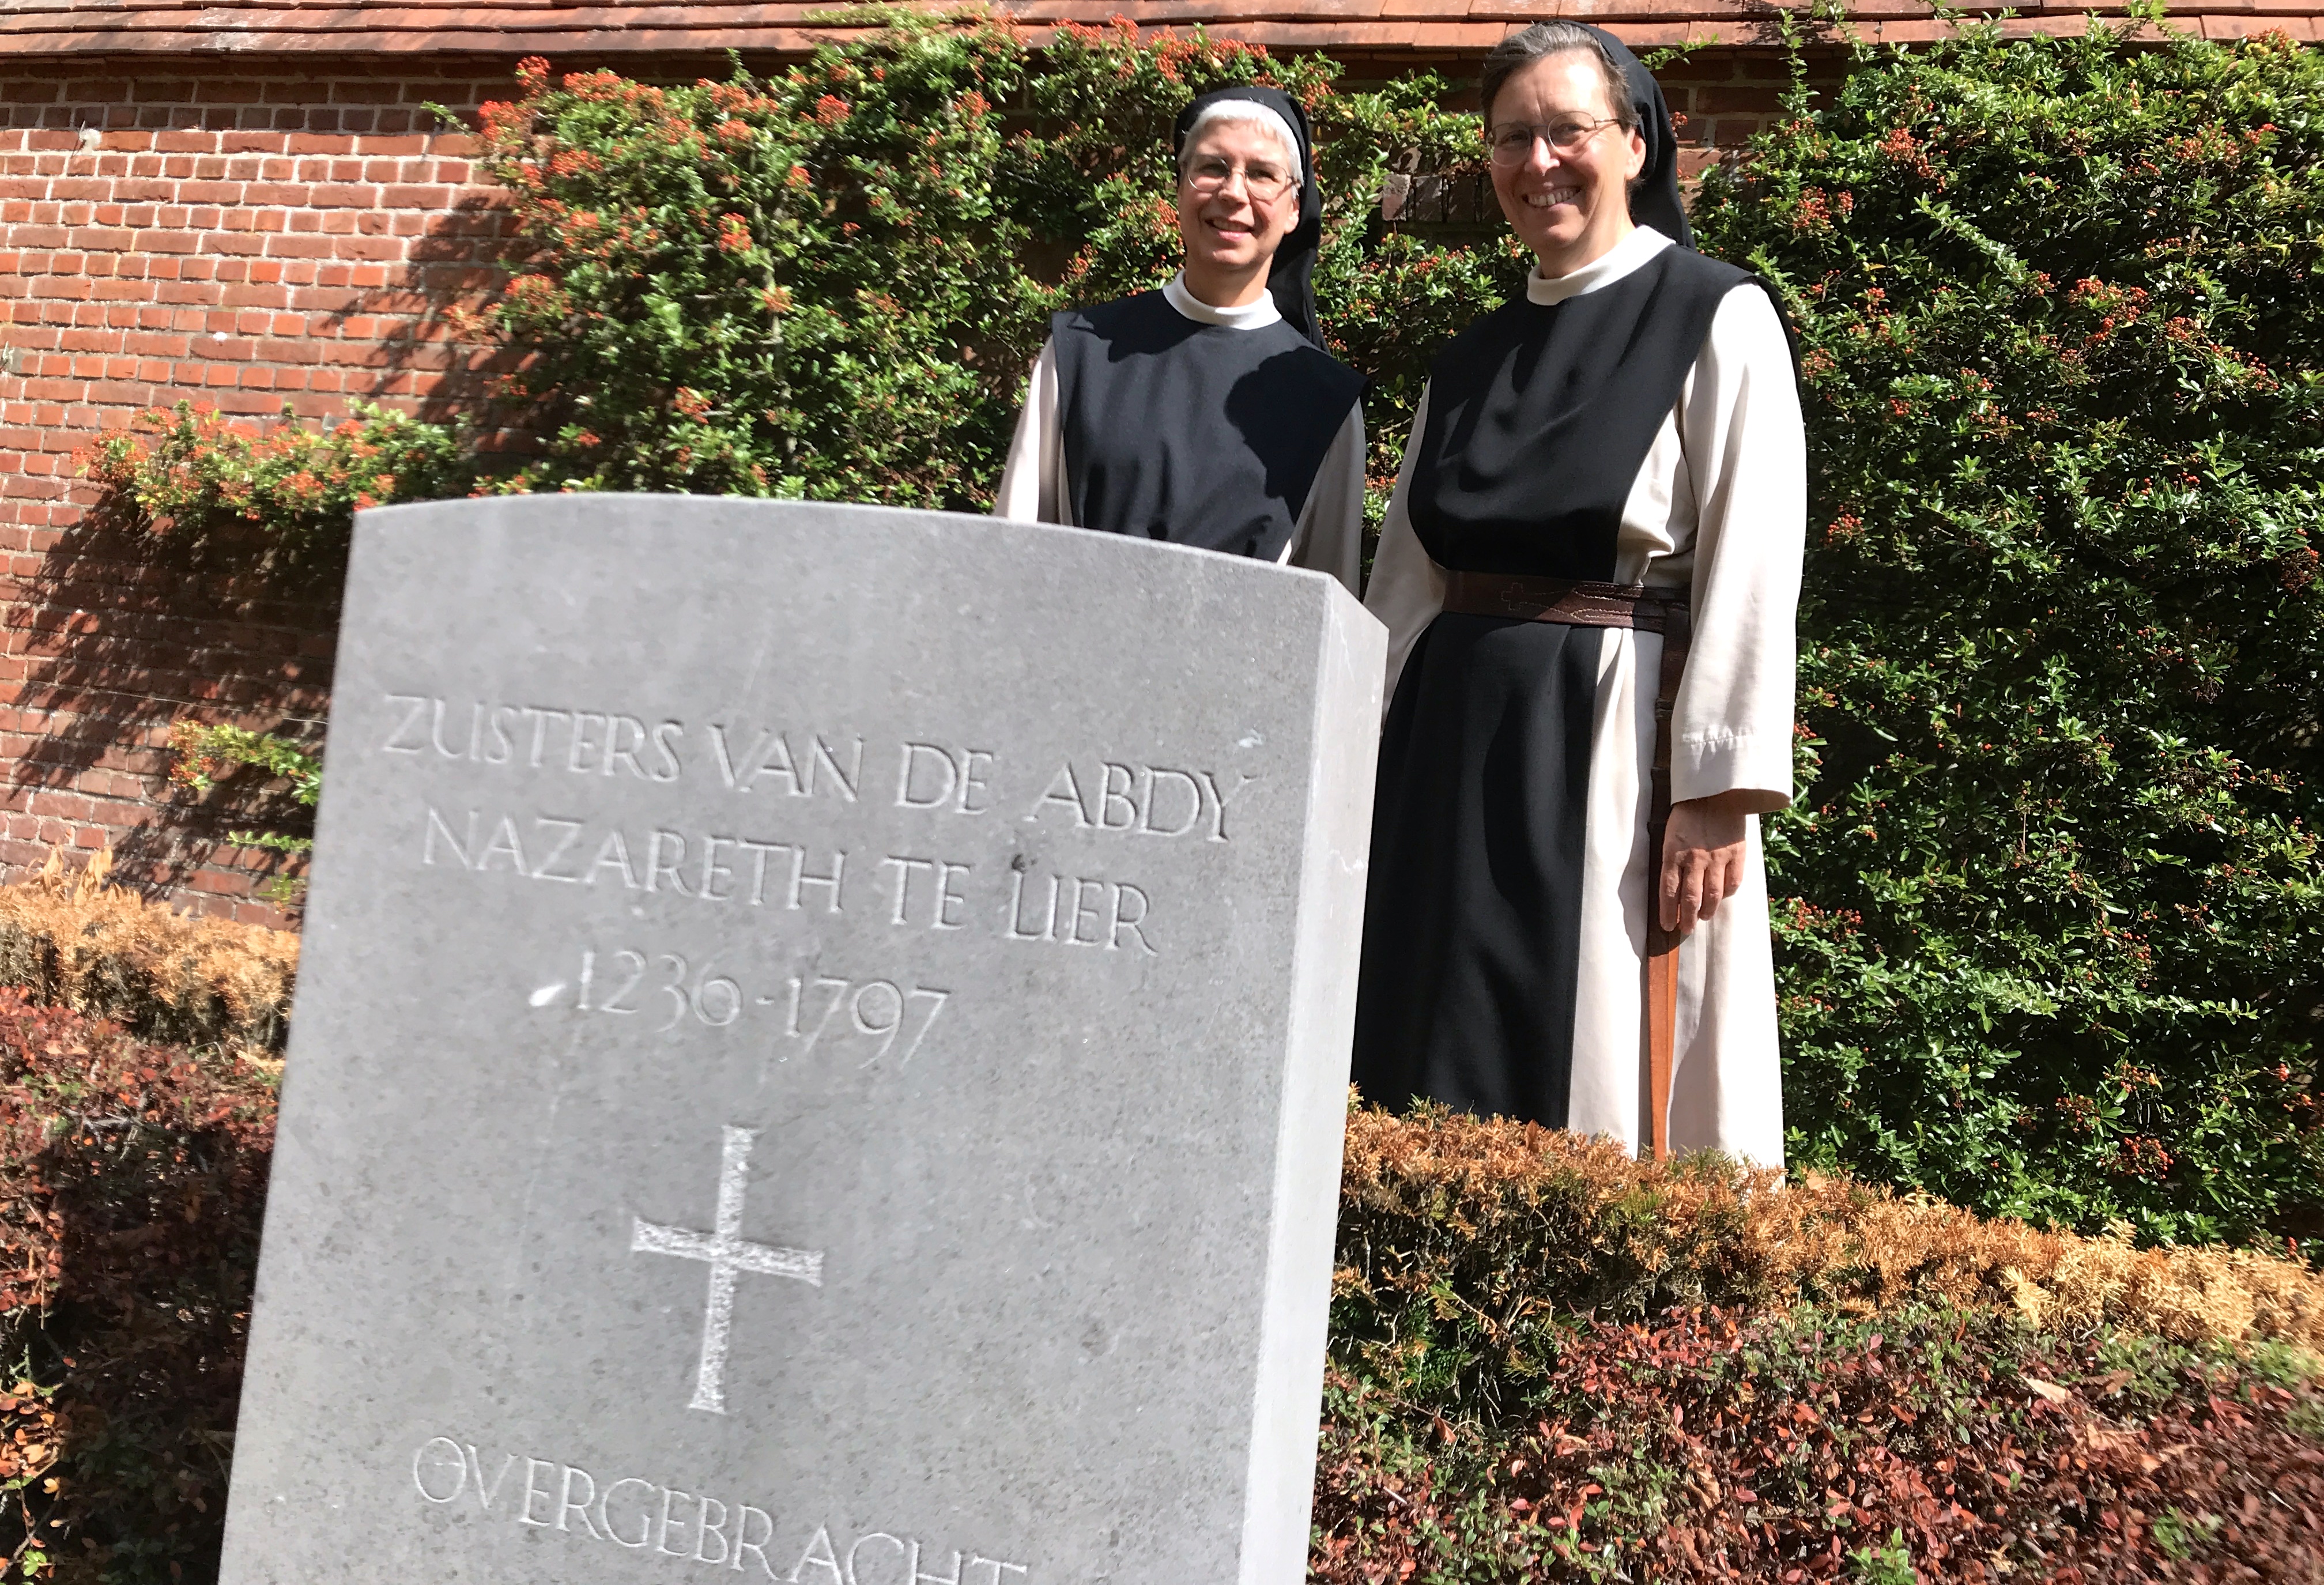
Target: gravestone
x=820, y=1054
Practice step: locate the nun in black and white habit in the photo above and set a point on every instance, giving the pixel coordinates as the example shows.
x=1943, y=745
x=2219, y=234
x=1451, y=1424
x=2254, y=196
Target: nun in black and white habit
x=1608, y=461
x=1207, y=413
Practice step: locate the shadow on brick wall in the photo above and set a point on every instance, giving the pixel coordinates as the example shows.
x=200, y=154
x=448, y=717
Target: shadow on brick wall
x=122, y=632
x=400, y=341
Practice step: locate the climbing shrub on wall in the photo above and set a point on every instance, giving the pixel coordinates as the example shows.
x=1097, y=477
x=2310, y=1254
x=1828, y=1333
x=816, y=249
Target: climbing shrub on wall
x=830, y=283
x=2052, y=942
x=181, y=473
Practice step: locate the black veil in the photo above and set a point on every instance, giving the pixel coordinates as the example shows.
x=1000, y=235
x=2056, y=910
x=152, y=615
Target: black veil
x=1655, y=200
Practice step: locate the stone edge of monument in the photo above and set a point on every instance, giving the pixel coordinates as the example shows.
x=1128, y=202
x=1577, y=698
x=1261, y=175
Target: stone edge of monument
x=1312, y=1117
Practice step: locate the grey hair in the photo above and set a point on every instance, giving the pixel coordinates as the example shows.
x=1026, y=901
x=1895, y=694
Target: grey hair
x=1244, y=113
x=1505, y=59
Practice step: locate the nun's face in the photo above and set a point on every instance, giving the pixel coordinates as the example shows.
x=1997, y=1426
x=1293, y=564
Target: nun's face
x=1566, y=190
x=1237, y=201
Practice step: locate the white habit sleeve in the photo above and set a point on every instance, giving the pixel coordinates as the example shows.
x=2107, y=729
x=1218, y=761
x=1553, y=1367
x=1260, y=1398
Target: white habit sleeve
x=1407, y=589
x=1732, y=729
x=1032, y=481
x=1330, y=535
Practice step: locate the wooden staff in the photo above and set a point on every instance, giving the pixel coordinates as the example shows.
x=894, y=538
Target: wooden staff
x=1662, y=945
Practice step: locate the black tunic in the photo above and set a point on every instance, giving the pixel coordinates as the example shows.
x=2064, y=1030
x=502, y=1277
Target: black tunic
x=1201, y=435
x=1539, y=418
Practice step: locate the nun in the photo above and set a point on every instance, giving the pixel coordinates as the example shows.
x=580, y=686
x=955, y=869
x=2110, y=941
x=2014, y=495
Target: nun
x=1208, y=413
x=1589, y=571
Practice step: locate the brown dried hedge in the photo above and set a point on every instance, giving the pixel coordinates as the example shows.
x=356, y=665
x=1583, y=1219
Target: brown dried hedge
x=1552, y=1362
x=1526, y=1226
x=1547, y=1362
x=77, y=940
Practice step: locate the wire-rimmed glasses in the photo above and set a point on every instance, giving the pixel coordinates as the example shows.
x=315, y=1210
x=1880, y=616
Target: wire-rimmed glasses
x=1513, y=141
x=1209, y=175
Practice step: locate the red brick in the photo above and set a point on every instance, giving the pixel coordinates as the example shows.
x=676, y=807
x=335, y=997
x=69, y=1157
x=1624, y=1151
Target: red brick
x=377, y=249
x=299, y=247
x=1764, y=101
x=254, y=296
x=82, y=340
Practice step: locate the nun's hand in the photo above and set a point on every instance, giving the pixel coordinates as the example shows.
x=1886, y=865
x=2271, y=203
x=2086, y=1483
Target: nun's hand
x=1702, y=857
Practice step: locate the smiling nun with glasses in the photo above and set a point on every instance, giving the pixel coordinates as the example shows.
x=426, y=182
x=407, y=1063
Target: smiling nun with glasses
x=1207, y=413
x=1589, y=573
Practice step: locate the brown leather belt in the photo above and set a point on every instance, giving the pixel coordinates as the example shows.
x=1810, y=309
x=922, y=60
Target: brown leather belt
x=1578, y=604
x=1571, y=601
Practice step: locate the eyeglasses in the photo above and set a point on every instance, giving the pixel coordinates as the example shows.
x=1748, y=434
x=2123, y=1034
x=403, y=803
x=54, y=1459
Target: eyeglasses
x=1513, y=141
x=1265, y=183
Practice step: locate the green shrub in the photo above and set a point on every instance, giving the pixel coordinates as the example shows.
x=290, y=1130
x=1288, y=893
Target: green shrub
x=830, y=283
x=2055, y=947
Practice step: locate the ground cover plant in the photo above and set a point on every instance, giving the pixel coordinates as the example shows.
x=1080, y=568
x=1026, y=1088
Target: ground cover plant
x=131, y=1176
x=2048, y=928
x=1547, y=1360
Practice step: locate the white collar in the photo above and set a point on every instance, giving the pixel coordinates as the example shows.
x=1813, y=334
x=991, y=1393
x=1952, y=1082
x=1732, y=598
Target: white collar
x=1256, y=315
x=1625, y=256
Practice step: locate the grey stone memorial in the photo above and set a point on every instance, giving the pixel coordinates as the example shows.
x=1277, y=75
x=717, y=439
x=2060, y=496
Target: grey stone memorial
x=820, y=1055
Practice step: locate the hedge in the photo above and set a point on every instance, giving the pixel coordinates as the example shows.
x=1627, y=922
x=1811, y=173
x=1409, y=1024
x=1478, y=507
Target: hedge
x=77, y=940
x=131, y=1180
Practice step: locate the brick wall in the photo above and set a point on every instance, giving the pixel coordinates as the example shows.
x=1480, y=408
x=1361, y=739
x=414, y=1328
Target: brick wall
x=1720, y=97
x=240, y=235
x=249, y=234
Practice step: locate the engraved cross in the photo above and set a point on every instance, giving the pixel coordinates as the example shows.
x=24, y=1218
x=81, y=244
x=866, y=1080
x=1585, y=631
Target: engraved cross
x=728, y=1257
